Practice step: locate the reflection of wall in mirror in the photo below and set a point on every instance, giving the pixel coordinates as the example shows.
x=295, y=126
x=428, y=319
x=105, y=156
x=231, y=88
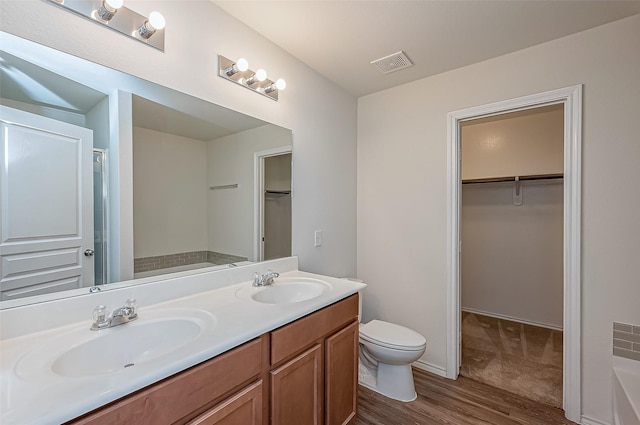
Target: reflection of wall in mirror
x=175, y=212
x=231, y=160
x=169, y=194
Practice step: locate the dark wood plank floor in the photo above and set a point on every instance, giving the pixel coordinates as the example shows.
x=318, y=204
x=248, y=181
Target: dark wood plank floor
x=447, y=402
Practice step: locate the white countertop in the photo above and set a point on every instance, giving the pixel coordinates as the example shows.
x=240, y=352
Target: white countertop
x=43, y=397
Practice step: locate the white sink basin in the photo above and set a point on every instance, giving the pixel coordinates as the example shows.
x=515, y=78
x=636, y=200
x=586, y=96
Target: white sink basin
x=285, y=291
x=82, y=352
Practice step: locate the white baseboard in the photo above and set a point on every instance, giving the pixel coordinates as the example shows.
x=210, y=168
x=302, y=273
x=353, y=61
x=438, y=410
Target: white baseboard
x=436, y=370
x=588, y=421
x=513, y=319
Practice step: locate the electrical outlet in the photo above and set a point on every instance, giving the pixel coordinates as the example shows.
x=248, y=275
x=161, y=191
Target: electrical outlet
x=317, y=238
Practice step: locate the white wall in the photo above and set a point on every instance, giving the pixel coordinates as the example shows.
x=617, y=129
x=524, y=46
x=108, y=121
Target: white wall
x=169, y=194
x=402, y=220
x=524, y=143
x=231, y=161
x=511, y=260
x=322, y=116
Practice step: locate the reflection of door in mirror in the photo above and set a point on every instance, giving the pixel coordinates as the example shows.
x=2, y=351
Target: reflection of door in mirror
x=277, y=207
x=47, y=211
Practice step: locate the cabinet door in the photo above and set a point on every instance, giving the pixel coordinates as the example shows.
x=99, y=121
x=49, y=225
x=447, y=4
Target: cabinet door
x=296, y=390
x=341, y=365
x=244, y=408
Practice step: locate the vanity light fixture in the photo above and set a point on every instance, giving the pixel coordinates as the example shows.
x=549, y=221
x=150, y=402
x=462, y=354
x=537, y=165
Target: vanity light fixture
x=239, y=73
x=114, y=15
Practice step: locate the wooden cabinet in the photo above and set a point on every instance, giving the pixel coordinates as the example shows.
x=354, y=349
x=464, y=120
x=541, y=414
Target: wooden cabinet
x=296, y=390
x=304, y=373
x=341, y=376
x=314, y=367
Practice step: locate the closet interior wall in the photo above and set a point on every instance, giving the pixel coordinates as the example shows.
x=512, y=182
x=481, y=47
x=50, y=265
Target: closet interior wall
x=512, y=249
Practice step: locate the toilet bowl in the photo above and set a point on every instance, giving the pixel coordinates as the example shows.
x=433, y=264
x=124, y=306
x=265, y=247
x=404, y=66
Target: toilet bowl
x=386, y=353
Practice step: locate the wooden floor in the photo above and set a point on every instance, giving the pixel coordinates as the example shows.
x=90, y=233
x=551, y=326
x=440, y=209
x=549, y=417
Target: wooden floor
x=447, y=402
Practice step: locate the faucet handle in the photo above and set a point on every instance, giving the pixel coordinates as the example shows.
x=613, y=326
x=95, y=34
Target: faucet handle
x=271, y=274
x=132, y=304
x=100, y=313
x=257, y=279
x=100, y=317
x=132, y=308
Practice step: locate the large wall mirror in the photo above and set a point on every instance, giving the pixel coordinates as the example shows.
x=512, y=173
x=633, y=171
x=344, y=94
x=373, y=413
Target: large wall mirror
x=108, y=178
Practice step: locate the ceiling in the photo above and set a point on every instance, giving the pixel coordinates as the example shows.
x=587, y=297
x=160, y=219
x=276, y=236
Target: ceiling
x=339, y=39
x=25, y=82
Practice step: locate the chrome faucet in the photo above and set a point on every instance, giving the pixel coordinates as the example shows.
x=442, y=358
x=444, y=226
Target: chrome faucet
x=119, y=316
x=264, y=279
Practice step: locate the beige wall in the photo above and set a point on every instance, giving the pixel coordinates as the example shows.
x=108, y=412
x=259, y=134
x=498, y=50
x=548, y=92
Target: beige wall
x=402, y=220
x=525, y=143
x=511, y=260
x=323, y=119
x=169, y=194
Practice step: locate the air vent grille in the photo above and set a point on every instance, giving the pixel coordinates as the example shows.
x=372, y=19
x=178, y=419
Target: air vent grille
x=391, y=63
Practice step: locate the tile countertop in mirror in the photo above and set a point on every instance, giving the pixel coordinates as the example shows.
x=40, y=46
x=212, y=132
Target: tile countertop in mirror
x=36, y=395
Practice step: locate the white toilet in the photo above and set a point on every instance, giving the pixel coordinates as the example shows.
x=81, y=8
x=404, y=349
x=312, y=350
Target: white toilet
x=386, y=353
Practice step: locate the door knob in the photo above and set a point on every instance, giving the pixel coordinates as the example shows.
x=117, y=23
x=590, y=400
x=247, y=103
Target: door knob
x=89, y=252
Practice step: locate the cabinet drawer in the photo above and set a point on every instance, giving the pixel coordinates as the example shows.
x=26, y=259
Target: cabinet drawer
x=185, y=394
x=294, y=337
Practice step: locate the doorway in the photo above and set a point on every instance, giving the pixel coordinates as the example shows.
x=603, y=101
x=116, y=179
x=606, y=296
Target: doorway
x=571, y=99
x=273, y=201
x=511, y=221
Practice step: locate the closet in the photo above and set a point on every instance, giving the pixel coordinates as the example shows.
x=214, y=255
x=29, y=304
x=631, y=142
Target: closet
x=511, y=223
x=277, y=206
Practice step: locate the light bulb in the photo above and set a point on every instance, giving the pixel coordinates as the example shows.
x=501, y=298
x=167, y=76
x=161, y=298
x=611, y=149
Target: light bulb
x=115, y=4
x=281, y=84
x=107, y=9
x=242, y=64
x=153, y=23
x=261, y=75
x=156, y=20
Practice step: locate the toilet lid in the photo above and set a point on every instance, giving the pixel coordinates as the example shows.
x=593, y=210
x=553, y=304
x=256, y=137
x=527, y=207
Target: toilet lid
x=392, y=335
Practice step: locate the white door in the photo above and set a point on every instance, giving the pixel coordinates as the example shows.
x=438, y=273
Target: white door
x=46, y=232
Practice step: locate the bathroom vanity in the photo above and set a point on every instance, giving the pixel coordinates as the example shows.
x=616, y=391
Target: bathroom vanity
x=284, y=354
x=300, y=373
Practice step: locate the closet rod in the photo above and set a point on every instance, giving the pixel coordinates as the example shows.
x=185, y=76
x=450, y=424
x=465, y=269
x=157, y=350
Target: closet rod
x=512, y=179
x=277, y=192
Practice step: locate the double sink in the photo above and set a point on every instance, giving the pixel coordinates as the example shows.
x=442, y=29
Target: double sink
x=160, y=335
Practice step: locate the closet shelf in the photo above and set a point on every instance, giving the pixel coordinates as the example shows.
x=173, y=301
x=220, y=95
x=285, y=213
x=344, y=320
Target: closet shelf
x=513, y=178
x=224, y=186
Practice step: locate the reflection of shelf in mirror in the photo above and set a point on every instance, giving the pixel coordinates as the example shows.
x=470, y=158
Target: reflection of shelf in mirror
x=224, y=186
x=511, y=179
x=277, y=192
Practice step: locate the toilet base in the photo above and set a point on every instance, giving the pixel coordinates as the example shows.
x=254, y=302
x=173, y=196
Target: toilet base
x=393, y=381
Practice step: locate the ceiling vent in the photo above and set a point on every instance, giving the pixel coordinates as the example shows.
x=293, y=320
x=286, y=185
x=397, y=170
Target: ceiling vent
x=391, y=63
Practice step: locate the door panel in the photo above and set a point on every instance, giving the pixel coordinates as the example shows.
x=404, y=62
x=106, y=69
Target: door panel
x=47, y=205
x=296, y=390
